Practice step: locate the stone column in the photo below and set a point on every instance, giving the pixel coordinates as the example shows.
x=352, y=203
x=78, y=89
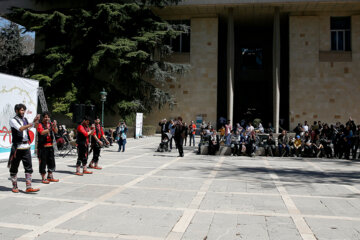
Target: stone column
x=230, y=65
x=276, y=70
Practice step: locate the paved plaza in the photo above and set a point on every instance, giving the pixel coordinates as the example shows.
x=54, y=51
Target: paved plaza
x=142, y=194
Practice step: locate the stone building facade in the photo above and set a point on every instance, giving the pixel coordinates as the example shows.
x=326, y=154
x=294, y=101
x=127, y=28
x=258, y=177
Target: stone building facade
x=330, y=79
x=305, y=78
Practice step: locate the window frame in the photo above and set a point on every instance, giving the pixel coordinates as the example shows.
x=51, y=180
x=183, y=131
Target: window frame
x=338, y=32
x=181, y=21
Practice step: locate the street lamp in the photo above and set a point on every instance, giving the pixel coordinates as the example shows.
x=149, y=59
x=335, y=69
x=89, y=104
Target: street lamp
x=102, y=99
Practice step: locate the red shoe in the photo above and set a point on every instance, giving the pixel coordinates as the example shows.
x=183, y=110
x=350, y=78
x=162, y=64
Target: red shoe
x=78, y=173
x=87, y=172
x=45, y=181
x=91, y=166
x=99, y=168
x=29, y=190
x=15, y=190
x=52, y=180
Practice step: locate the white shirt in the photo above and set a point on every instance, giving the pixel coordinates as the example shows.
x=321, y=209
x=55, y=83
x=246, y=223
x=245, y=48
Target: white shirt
x=14, y=124
x=249, y=129
x=306, y=128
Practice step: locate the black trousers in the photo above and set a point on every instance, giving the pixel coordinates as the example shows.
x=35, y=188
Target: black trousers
x=96, y=153
x=46, y=158
x=83, y=152
x=179, y=145
x=23, y=155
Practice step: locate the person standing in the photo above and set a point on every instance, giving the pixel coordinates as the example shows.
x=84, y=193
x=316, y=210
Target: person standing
x=186, y=133
x=162, y=125
x=192, y=132
x=82, y=140
x=121, y=130
x=179, y=136
x=46, y=130
x=172, y=131
x=96, y=143
x=20, y=148
x=228, y=129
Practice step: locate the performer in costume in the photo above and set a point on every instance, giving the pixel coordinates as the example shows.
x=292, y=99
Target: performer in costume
x=82, y=140
x=20, y=149
x=46, y=131
x=96, y=143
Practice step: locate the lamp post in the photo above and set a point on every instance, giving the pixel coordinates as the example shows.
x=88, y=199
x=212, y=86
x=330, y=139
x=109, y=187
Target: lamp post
x=102, y=99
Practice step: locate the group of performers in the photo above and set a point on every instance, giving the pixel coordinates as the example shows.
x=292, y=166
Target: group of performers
x=20, y=151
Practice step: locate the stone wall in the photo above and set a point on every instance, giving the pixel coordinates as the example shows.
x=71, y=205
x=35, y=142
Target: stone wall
x=196, y=91
x=324, y=85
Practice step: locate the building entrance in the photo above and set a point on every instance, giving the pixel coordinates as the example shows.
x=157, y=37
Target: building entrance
x=253, y=95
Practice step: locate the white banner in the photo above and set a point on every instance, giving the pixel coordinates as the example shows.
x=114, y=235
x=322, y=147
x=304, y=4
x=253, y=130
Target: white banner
x=139, y=125
x=14, y=90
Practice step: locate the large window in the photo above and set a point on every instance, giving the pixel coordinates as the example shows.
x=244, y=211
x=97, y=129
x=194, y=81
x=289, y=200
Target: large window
x=251, y=58
x=181, y=43
x=340, y=33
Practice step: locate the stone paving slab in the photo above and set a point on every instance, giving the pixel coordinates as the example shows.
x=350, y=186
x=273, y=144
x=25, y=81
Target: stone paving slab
x=11, y=233
x=143, y=194
x=125, y=220
x=152, y=197
x=326, y=229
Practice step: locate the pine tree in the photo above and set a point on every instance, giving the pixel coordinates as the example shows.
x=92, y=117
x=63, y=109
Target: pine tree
x=10, y=49
x=118, y=45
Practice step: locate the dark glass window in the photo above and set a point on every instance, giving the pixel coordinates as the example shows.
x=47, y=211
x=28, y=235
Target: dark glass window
x=340, y=28
x=251, y=58
x=181, y=43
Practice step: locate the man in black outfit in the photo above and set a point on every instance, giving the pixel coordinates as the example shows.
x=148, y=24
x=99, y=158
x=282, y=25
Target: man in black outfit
x=179, y=136
x=20, y=149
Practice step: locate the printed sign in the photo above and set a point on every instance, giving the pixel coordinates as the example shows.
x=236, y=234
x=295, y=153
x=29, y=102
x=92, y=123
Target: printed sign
x=14, y=90
x=139, y=125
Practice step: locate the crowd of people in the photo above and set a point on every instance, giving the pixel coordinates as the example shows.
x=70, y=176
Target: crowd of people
x=318, y=140
x=89, y=137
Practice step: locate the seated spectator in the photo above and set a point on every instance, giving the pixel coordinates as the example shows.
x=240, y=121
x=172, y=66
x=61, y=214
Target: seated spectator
x=270, y=146
x=318, y=148
x=348, y=135
x=214, y=144
x=261, y=128
x=325, y=139
x=204, y=140
x=222, y=134
x=243, y=143
x=283, y=143
x=315, y=126
x=249, y=129
x=305, y=127
x=269, y=129
x=251, y=144
x=291, y=146
x=297, y=146
x=298, y=130
x=235, y=142
x=307, y=150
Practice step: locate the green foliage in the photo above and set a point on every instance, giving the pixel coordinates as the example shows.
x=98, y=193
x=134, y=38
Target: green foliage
x=10, y=49
x=62, y=105
x=117, y=45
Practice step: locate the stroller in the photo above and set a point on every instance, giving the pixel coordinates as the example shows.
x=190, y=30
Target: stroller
x=164, y=145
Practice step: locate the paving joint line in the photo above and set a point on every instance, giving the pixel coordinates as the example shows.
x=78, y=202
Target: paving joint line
x=299, y=221
x=180, y=227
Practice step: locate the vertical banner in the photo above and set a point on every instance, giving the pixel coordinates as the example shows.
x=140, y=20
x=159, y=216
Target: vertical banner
x=139, y=125
x=14, y=90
